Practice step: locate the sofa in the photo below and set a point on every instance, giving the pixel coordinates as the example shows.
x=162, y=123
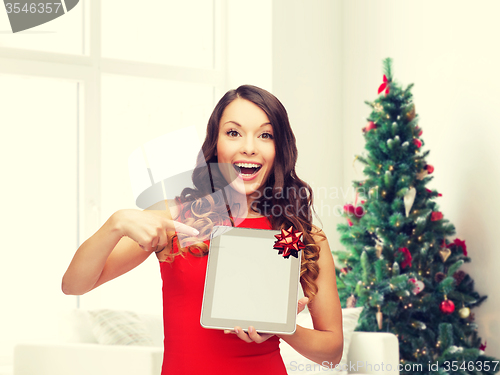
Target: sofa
x=90, y=345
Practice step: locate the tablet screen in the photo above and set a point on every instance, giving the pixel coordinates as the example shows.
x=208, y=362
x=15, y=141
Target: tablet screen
x=249, y=283
x=242, y=276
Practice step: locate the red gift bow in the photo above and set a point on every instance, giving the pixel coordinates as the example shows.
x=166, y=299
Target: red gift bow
x=289, y=243
x=383, y=86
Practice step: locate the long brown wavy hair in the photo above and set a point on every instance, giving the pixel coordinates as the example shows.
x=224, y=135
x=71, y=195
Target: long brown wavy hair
x=287, y=200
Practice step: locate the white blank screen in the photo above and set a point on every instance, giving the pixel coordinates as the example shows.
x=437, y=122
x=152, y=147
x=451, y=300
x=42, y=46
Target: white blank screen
x=251, y=281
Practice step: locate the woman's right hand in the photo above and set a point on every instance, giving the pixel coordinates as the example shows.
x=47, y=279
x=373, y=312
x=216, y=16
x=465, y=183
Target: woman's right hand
x=149, y=228
x=113, y=249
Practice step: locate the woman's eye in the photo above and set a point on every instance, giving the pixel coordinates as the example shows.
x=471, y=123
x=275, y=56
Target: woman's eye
x=232, y=133
x=267, y=136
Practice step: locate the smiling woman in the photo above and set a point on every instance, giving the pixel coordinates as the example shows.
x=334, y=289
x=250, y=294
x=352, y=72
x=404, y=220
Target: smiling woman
x=248, y=135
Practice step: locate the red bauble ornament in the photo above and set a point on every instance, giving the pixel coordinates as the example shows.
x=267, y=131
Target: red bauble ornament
x=371, y=125
x=350, y=210
x=429, y=168
x=447, y=306
x=417, y=142
x=359, y=212
x=436, y=215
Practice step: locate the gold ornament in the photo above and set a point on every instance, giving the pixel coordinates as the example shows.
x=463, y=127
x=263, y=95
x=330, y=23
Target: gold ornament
x=380, y=317
x=444, y=253
x=378, y=249
x=464, y=312
x=378, y=107
x=411, y=114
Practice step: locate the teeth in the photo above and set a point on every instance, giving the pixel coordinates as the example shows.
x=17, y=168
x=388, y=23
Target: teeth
x=247, y=165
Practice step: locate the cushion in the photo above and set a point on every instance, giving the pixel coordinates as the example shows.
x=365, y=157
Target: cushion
x=298, y=364
x=114, y=327
x=75, y=327
x=154, y=326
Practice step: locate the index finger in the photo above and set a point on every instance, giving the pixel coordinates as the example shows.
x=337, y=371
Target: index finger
x=186, y=229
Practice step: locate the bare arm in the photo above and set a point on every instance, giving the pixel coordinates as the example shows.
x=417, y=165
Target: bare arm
x=125, y=240
x=90, y=266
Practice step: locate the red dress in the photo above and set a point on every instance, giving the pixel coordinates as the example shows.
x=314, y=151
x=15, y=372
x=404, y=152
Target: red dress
x=192, y=349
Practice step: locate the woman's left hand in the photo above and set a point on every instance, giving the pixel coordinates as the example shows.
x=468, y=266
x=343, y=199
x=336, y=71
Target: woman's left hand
x=253, y=336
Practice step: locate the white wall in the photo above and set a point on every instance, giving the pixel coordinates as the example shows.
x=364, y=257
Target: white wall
x=449, y=50
x=249, y=44
x=307, y=78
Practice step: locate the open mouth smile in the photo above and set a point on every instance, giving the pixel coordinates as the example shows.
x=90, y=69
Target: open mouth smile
x=247, y=169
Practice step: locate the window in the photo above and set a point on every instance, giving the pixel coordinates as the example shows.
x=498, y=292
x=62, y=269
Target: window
x=164, y=32
x=39, y=120
x=78, y=95
x=67, y=34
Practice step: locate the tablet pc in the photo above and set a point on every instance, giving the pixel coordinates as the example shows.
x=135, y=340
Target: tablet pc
x=248, y=283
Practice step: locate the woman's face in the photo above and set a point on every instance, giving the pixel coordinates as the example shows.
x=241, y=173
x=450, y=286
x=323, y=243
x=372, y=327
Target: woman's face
x=245, y=146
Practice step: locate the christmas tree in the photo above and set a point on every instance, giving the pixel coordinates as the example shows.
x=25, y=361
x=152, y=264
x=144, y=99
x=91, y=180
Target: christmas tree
x=401, y=264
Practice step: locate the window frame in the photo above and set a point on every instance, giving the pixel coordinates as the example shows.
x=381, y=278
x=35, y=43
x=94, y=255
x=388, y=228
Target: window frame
x=87, y=71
